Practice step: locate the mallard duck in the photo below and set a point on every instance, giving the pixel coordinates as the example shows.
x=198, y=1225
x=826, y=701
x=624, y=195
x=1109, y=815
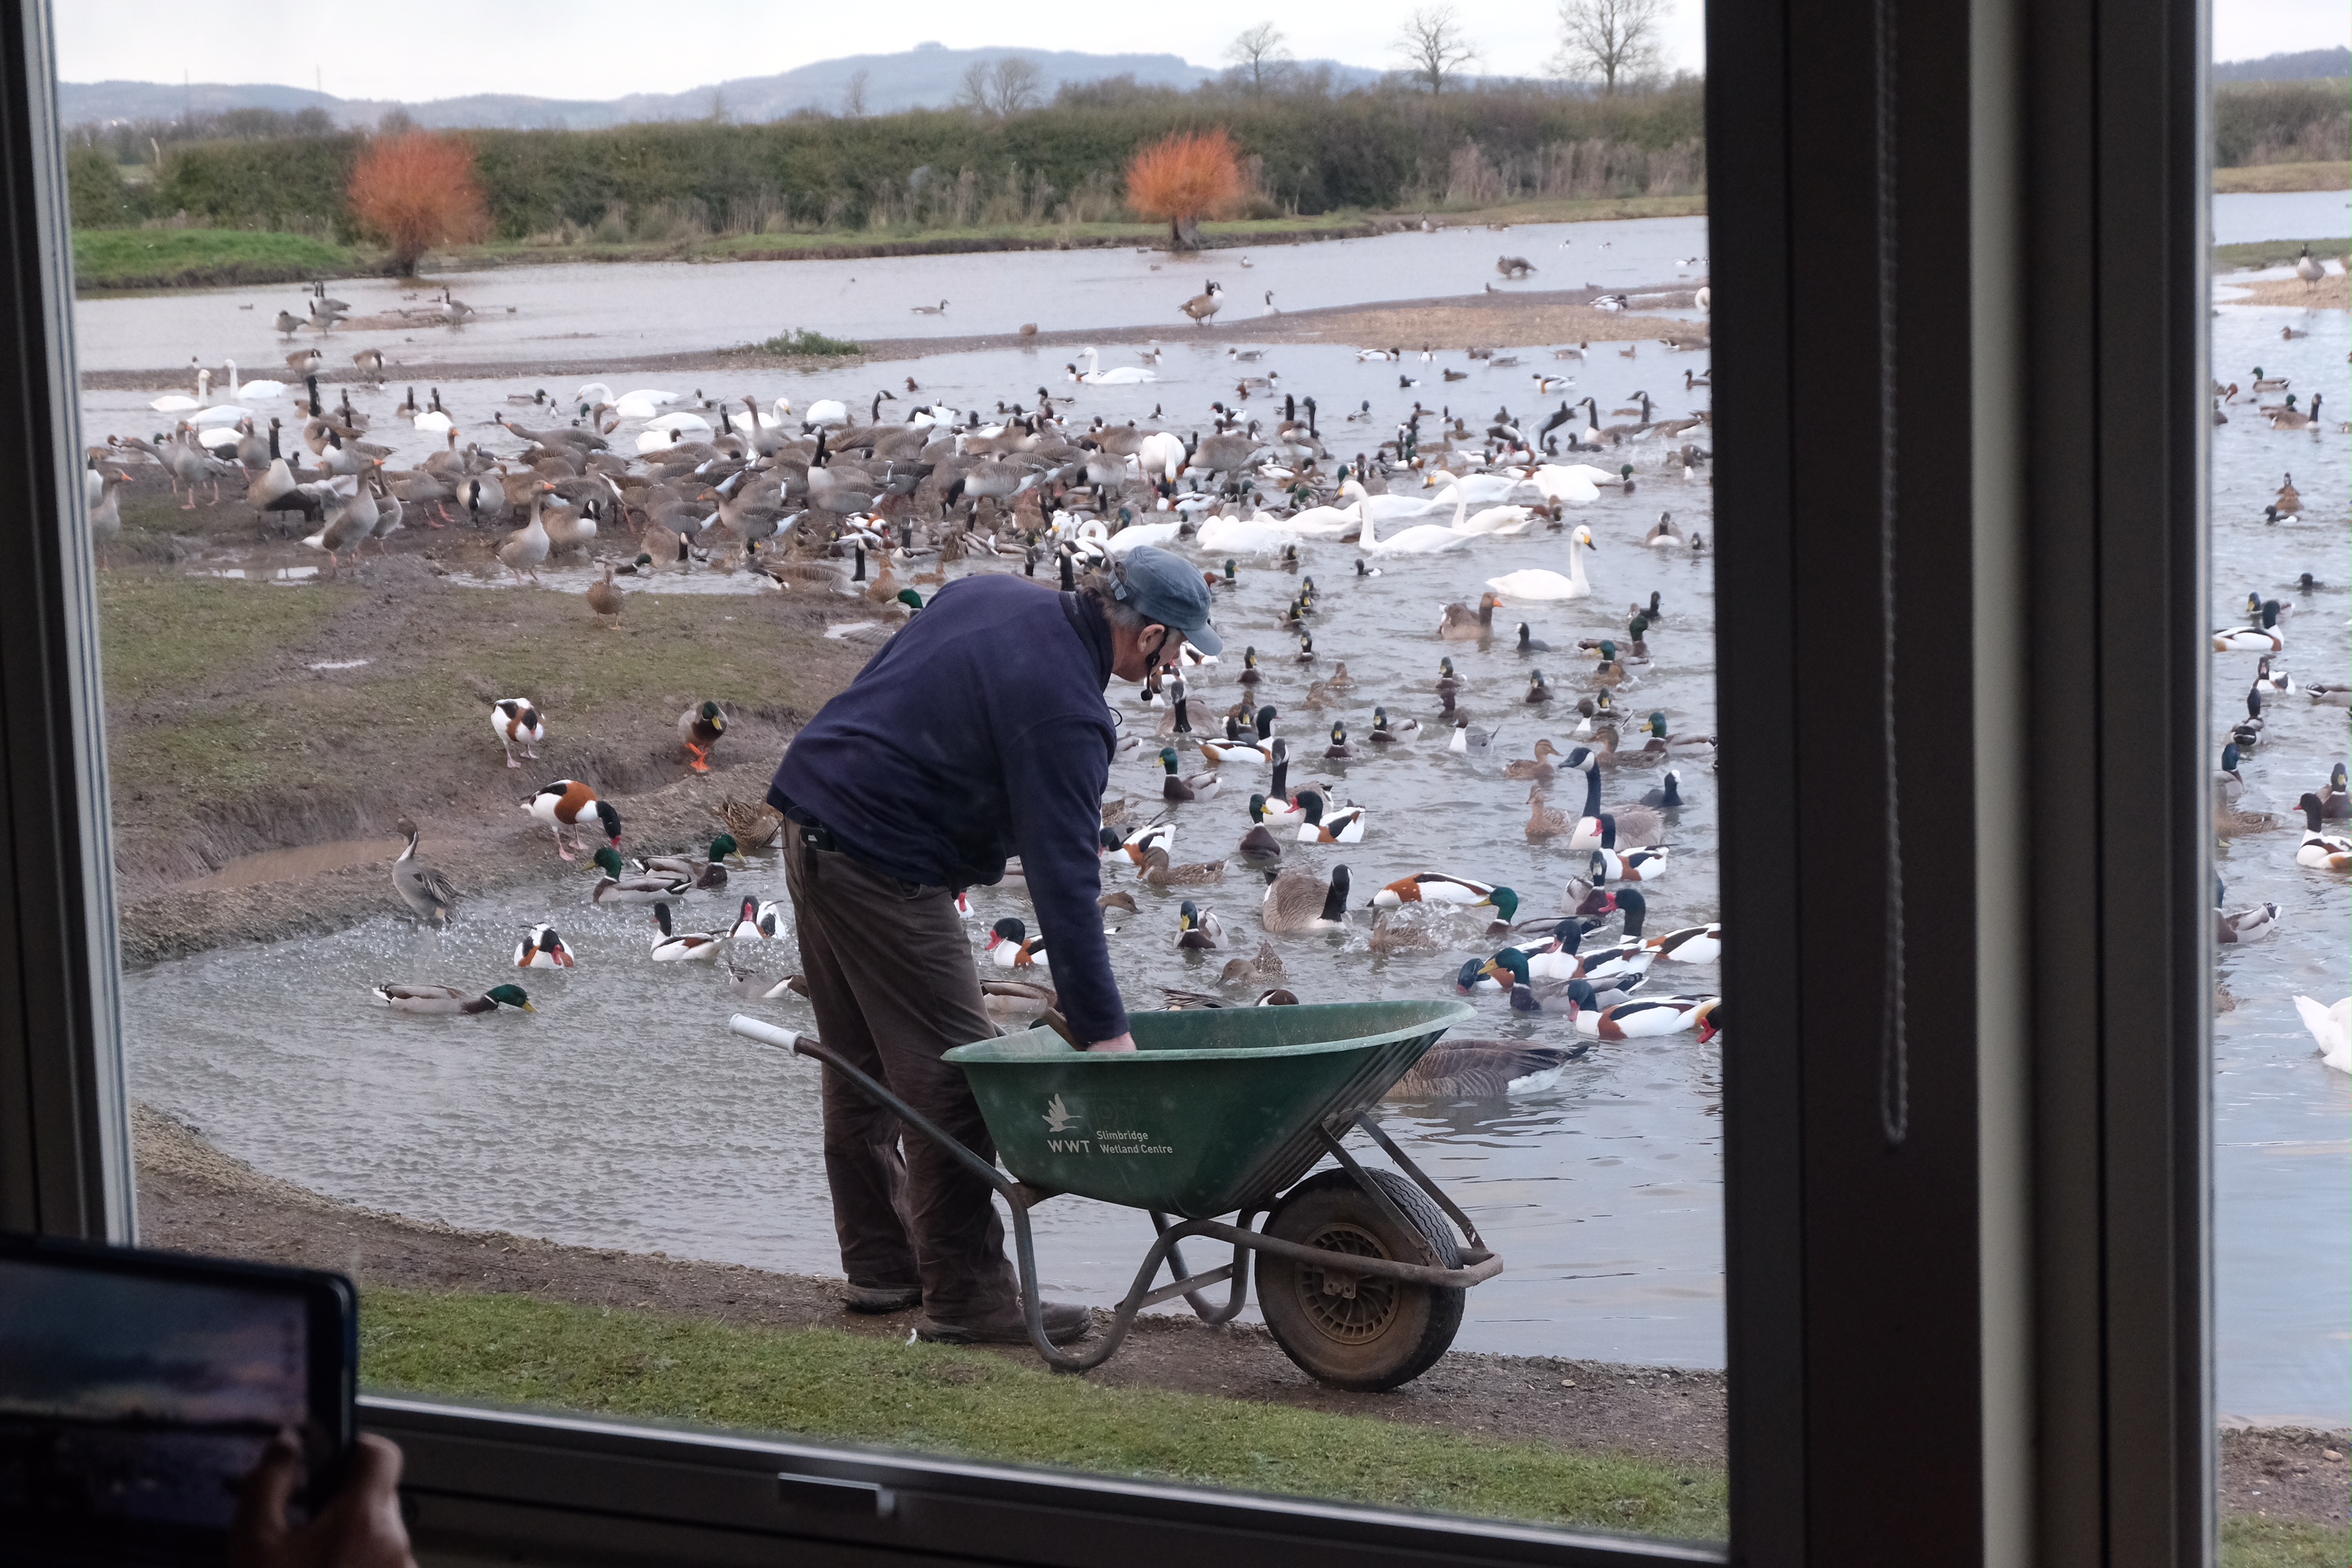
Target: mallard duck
x=2329, y=695
x=1306, y=647
x=708, y=875
x=1197, y=930
x=426, y=890
x=1298, y=899
x=1250, y=674
x=1265, y=811
x=2319, y=851
x=542, y=949
x=1010, y=946
x=1483, y=1069
x=1460, y=623
x=515, y=721
x=1161, y=872
x=1448, y=683
x=617, y=886
x=1339, y=679
x=2332, y=1027
x=1267, y=965
x=564, y=803
x=1544, y=819
x=1017, y=999
x=2245, y=925
x=1691, y=944
x=674, y=946
x=1200, y=786
x=1338, y=749
x=1596, y=711
x=1385, y=733
x=449, y=999
x=1508, y=970
x=700, y=728
x=2335, y=802
x=1260, y=849
x=1237, y=749
x=1437, y=888
x=1539, y=767
x=1334, y=825
x=756, y=921
x=1539, y=689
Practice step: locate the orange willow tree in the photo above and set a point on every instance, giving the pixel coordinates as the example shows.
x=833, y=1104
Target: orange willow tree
x=415, y=190
x=1183, y=179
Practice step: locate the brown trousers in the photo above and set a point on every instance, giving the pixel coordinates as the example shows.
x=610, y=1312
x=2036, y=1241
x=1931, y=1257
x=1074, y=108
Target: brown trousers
x=890, y=975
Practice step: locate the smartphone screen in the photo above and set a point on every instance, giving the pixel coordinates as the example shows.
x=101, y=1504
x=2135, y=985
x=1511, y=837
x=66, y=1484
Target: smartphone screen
x=136, y=1393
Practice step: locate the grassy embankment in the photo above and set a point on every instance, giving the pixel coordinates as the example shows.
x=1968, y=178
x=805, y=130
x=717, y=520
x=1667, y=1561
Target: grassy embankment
x=222, y=740
x=2283, y=1544
x=112, y=260
x=2324, y=175
x=818, y=1382
x=2256, y=255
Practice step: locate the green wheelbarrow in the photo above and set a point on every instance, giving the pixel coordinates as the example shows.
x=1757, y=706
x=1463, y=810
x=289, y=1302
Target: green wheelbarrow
x=1222, y=1111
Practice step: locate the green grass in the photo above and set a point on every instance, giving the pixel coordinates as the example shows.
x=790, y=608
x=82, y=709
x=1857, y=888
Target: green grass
x=818, y=1382
x=2323, y=176
x=168, y=635
x=2263, y=253
x=2283, y=1544
x=806, y=342
x=201, y=257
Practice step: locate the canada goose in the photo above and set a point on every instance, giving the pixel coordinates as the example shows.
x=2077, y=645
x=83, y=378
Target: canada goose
x=939, y=310
x=1297, y=900
x=370, y=363
x=2292, y=418
x=1483, y=1069
x=306, y=362
x=2310, y=271
x=1270, y=308
x=1200, y=307
x=1514, y=266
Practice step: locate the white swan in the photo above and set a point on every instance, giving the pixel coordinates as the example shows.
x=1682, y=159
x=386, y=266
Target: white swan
x=1259, y=535
x=218, y=436
x=1119, y=375
x=1495, y=520
x=2332, y=1027
x=1160, y=455
x=671, y=429
x=434, y=421
x=219, y=415
x=1538, y=583
x=829, y=411
x=1141, y=533
x=1480, y=488
x=644, y=404
x=180, y=403
x=1421, y=539
x=1571, y=485
x=252, y=388
x=595, y=392
x=1326, y=521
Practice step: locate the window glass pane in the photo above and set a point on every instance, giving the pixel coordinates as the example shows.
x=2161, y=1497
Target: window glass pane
x=1416, y=399
x=2282, y=1112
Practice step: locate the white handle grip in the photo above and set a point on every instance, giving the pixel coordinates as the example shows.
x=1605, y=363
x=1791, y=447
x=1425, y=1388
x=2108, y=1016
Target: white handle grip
x=759, y=1029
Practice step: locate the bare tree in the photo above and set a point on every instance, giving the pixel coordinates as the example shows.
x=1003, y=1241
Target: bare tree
x=853, y=95
x=1432, y=43
x=1614, y=39
x=1259, y=55
x=1011, y=86
x=973, y=94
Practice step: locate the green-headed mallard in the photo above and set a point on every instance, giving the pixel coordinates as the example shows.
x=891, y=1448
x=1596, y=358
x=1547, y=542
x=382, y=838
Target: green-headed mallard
x=700, y=728
x=449, y=998
x=1197, y=929
x=708, y=875
x=617, y=886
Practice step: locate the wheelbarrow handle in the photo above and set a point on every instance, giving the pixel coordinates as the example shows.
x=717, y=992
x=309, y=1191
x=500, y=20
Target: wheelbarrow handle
x=809, y=1045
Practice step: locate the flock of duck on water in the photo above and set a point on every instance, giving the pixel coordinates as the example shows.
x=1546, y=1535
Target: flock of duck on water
x=879, y=507
x=2264, y=635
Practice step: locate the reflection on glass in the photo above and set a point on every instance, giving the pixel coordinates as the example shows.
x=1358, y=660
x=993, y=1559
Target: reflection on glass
x=429, y=544
x=2281, y=659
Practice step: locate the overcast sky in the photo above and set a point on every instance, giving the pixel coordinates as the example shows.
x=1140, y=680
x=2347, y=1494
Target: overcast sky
x=603, y=48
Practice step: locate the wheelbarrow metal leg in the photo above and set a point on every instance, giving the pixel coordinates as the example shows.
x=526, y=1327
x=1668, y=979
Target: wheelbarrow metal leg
x=1421, y=1180
x=1237, y=1271
x=1137, y=1295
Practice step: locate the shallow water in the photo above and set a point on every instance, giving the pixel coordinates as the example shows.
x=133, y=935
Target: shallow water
x=571, y=312
x=2283, y=1122
x=626, y=1116
x=2247, y=215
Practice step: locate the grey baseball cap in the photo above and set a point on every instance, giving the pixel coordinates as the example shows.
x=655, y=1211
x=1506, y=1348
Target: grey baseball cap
x=1164, y=587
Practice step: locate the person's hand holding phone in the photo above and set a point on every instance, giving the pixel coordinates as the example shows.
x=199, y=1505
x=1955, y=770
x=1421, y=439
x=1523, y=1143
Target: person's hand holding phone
x=360, y=1527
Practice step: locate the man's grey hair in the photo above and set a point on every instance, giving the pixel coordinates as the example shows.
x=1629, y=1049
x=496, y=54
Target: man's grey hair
x=1102, y=585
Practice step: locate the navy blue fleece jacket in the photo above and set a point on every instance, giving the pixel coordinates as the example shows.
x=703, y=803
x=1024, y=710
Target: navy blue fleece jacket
x=979, y=732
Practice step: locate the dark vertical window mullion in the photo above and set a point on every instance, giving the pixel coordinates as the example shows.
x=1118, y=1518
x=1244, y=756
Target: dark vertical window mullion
x=62, y=1122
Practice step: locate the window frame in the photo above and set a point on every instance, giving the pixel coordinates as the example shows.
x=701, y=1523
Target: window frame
x=1992, y=1342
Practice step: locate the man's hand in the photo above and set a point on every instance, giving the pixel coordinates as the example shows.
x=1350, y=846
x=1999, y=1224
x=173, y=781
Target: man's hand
x=1123, y=1043
x=360, y=1528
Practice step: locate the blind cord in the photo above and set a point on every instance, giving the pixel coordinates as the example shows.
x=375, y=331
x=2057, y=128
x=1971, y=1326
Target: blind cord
x=1893, y=1046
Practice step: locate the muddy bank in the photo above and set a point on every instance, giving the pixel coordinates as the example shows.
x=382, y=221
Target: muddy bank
x=1511, y=319
x=194, y=1199
x=2330, y=293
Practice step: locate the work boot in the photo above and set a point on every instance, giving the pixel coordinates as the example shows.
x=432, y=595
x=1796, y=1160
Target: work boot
x=875, y=1299
x=1065, y=1321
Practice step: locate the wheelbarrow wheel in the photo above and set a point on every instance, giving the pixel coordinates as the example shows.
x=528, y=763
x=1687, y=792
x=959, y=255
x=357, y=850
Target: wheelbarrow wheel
x=1357, y=1331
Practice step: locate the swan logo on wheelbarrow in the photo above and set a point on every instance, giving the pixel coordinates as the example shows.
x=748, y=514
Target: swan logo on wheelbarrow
x=1361, y=1275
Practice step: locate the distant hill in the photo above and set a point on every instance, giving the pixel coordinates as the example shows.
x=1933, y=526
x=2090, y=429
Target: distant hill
x=928, y=76
x=2310, y=65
